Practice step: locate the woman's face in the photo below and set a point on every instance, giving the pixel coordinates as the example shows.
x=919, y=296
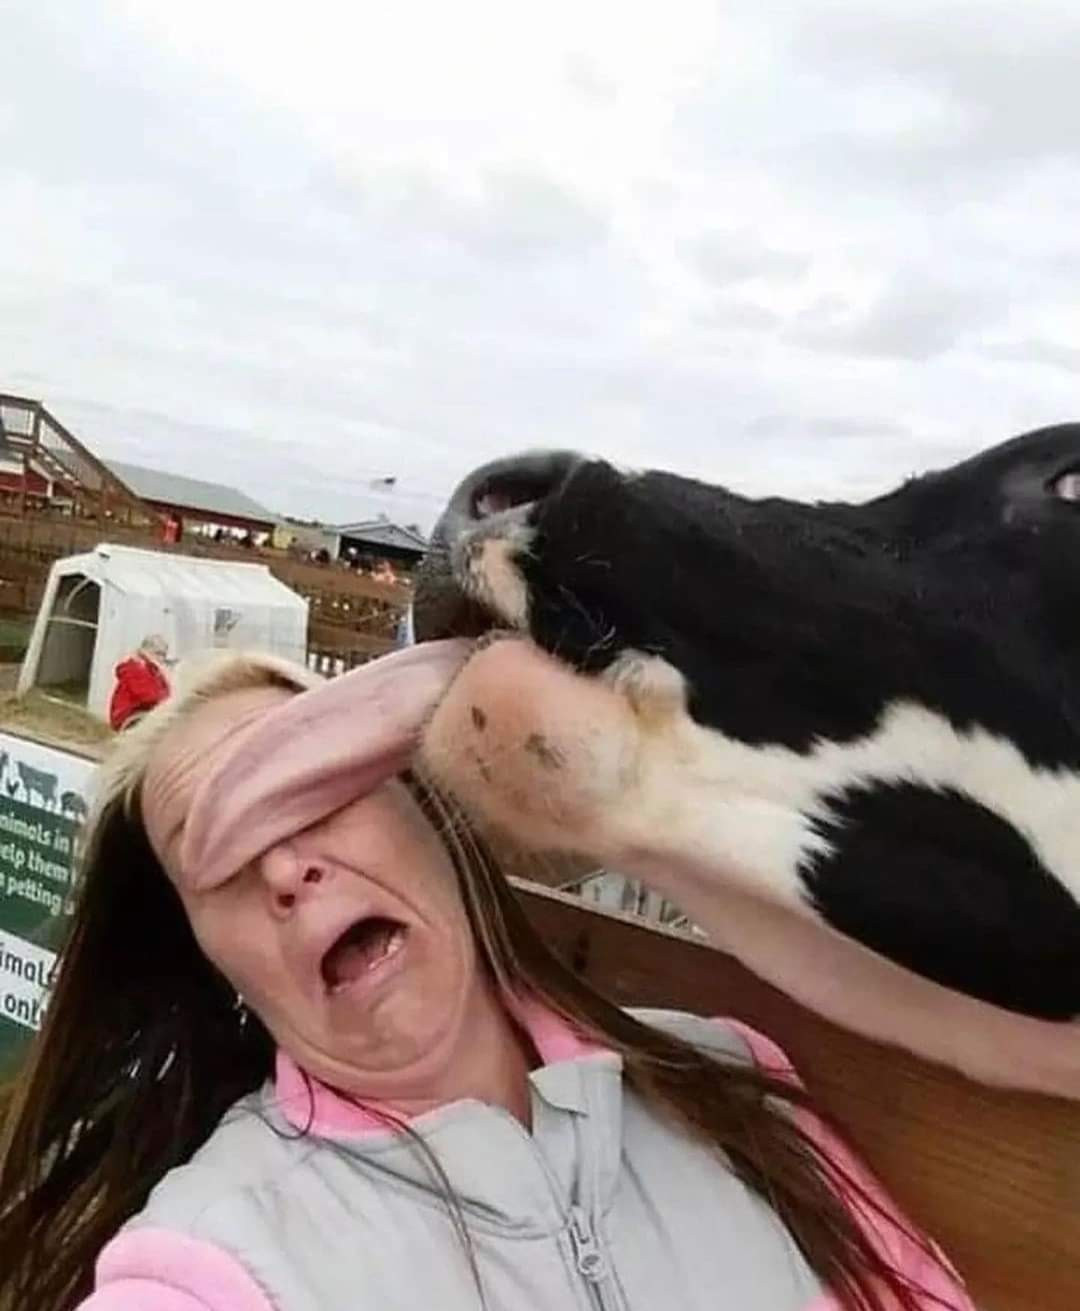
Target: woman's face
x=349, y=940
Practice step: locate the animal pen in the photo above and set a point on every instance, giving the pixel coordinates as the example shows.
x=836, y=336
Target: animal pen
x=97, y=607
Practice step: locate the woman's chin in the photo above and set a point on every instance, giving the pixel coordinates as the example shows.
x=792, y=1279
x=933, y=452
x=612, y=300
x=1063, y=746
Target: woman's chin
x=391, y=1033
x=400, y=1044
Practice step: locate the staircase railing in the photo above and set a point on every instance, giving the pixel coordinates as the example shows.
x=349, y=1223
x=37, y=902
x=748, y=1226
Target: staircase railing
x=29, y=432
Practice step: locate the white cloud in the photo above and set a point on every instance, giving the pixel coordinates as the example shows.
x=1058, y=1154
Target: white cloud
x=1032, y=351
x=805, y=248
x=730, y=258
x=915, y=316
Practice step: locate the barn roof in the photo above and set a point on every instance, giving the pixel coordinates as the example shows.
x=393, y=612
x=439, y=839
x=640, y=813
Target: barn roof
x=192, y=493
x=382, y=532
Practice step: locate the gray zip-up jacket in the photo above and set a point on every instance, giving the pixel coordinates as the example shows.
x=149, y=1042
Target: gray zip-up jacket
x=603, y=1206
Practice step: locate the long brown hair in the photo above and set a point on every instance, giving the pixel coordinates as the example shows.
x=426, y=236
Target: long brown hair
x=143, y=1050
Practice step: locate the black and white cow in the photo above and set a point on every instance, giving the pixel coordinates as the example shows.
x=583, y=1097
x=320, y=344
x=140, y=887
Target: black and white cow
x=845, y=738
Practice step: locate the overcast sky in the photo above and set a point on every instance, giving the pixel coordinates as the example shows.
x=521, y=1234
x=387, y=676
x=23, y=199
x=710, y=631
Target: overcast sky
x=805, y=247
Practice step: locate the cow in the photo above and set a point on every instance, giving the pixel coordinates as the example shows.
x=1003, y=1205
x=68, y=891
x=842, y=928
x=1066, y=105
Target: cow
x=845, y=738
x=73, y=807
x=38, y=783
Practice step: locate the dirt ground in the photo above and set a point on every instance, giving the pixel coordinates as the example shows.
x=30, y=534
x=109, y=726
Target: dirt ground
x=49, y=719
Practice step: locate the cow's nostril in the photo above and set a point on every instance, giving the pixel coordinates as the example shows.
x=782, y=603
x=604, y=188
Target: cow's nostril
x=499, y=494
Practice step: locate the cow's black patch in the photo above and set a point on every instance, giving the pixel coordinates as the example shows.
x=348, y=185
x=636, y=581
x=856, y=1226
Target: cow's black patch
x=938, y=883
x=796, y=623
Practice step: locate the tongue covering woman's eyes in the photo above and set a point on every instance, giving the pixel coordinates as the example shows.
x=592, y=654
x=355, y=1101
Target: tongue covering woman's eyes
x=311, y=756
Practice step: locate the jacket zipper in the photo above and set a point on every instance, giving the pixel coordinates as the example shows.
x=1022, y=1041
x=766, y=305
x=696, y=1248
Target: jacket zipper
x=589, y=1259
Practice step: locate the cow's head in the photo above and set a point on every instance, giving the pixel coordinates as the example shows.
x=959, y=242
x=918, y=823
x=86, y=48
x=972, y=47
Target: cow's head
x=896, y=682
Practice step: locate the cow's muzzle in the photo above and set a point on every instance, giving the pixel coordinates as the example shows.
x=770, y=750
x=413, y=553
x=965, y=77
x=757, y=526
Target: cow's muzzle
x=495, y=502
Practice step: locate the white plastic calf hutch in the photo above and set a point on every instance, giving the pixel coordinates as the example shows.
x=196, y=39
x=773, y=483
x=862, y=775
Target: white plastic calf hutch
x=98, y=607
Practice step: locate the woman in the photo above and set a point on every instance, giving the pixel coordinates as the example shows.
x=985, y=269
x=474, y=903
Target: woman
x=141, y=683
x=306, y=1054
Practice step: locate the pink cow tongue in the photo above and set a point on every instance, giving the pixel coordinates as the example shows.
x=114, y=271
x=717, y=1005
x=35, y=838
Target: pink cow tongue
x=312, y=755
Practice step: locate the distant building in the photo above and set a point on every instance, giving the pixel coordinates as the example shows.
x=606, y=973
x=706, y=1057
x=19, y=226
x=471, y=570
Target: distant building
x=43, y=464
x=372, y=540
x=191, y=502
x=15, y=477
x=304, y=537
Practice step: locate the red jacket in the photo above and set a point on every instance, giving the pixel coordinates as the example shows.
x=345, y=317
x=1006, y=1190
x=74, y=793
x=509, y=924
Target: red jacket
x=140, y=685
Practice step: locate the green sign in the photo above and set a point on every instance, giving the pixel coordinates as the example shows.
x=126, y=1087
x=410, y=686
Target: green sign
x=43, y=800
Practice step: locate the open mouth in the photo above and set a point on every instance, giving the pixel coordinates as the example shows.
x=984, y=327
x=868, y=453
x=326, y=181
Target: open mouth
x=361, y=950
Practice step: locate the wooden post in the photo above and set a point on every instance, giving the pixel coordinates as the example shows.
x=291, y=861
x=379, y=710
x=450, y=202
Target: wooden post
x=35, y=442
x=993, y=1176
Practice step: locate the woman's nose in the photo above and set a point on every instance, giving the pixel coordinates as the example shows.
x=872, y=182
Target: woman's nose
x=289, y=873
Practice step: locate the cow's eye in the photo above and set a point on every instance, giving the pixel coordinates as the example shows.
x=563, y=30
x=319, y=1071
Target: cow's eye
x=1066, y=486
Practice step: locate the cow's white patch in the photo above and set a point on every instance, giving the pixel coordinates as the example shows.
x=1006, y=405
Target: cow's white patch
x=491, y=575
x=651, y=684
x=724, y=807
x=722, y=828
x=914, y=744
